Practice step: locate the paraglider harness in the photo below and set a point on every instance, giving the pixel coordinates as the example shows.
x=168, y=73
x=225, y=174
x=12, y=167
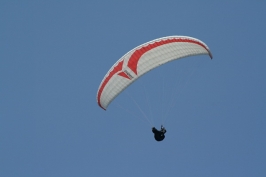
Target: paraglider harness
x=159, y=134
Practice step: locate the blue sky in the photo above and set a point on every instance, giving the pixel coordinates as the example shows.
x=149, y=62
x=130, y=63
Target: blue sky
x=54, y=55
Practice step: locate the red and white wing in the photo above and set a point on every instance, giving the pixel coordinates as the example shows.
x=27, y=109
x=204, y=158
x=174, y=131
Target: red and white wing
x=144, y=58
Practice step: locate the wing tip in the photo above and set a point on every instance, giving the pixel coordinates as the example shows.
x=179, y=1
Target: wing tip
x=101, y=106
x=210, y=54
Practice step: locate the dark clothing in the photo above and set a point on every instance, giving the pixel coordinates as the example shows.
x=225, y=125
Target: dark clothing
x=159, y=135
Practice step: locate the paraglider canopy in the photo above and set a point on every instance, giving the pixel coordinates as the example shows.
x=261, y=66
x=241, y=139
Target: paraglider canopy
x=144, y=58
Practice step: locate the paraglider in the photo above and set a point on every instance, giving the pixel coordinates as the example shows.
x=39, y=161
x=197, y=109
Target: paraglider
x=144, y=58
x=159, y=134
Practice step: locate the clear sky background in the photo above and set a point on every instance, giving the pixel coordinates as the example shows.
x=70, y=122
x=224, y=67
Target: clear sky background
x=54, y=54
